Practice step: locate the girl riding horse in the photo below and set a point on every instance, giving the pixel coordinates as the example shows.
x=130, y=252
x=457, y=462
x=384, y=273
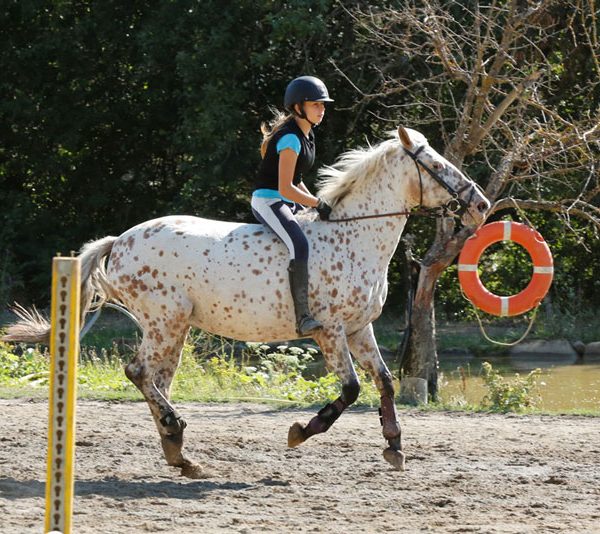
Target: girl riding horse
x=288, y=152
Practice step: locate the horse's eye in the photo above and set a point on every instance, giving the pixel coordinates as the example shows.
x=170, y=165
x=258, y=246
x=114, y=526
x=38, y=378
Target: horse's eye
x=438, y=166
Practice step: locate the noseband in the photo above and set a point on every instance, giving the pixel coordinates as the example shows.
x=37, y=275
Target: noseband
x=456, y=206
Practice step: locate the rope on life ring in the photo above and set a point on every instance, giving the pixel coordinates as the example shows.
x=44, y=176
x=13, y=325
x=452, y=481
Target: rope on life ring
x=543, y=268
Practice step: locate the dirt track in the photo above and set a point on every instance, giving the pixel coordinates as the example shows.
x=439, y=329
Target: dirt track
x=465, y=473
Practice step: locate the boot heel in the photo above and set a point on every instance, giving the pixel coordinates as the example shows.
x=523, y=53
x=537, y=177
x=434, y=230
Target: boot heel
x=307, y=325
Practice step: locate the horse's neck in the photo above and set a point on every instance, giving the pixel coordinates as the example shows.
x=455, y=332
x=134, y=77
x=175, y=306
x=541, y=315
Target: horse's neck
x=385, y=195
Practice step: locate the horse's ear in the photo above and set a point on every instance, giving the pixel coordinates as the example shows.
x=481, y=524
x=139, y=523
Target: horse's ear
x=404, y=137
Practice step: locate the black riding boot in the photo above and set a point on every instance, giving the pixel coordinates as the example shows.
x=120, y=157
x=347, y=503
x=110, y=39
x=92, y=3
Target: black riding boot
x=305, y=322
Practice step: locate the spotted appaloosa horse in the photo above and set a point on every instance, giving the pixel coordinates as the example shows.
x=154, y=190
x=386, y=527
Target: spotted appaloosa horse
x=231, y=280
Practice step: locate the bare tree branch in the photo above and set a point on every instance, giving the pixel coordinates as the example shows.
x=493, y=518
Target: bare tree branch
x=505, y=56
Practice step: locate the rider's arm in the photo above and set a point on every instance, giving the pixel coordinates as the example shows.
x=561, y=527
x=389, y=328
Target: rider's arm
x=287, y=164
x=303, y=188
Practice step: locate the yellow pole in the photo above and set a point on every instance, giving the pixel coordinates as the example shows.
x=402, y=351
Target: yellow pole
x=64, y=353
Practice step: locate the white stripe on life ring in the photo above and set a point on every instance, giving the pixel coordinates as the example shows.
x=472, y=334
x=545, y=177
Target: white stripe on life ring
x=504, y=306
x=467, y=267
x=543, y=270
x=507, y=230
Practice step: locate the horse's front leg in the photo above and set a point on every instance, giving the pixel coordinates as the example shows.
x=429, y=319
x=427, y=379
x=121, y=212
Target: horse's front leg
x=363, y=347
x=337, y=357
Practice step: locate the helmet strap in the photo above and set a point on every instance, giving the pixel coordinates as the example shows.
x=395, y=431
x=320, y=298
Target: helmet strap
x=302, y=114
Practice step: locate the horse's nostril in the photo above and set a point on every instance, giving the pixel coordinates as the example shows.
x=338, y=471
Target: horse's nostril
x=482, y=206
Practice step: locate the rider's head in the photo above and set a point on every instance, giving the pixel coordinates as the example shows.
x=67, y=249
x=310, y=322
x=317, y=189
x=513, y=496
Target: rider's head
x=303, y=94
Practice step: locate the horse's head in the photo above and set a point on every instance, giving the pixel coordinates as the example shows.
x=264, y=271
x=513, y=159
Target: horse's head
x=439, y=183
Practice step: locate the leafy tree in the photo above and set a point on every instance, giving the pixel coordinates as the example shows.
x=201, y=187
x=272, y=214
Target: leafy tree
x=112, y=113
x=86, y=146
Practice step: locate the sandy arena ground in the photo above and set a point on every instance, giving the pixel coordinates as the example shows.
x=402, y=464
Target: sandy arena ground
x=465, y=473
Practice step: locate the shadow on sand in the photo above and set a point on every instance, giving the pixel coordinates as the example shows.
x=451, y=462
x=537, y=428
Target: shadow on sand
x=116, y=488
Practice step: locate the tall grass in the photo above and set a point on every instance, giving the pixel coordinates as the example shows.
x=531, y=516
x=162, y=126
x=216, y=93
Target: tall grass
x=262, y=373
x=214, y=369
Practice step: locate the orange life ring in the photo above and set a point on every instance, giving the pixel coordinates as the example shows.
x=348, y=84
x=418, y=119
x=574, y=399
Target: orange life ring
x=543, y=268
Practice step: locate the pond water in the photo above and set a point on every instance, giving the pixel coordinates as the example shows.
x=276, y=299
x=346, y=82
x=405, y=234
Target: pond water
x=565, y=383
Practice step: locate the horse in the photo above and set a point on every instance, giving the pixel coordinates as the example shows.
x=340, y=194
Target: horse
x=230, y=279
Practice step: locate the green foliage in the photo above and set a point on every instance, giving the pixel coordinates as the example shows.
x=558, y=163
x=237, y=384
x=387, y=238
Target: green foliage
x=281, y=376
x=277, y=375
x=113, y=113
x=29, y=366
x=509, y=395
x=263, y=373
x=284, y=368
x=97, y=372
x=577, y=325
x=102, y=371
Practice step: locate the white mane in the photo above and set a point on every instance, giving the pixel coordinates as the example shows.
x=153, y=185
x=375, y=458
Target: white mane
x=357, y=165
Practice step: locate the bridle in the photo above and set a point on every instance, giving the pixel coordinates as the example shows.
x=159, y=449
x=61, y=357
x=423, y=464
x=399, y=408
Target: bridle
x=455, y=207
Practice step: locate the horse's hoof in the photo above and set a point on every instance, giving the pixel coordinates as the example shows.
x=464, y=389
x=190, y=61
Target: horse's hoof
x=296, y=435
x=192, y=470
x=394, y=457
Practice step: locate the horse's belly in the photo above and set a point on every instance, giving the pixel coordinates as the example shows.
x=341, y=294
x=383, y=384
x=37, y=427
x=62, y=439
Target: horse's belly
x=260, y=309
x=250, y=306
x=263, y=331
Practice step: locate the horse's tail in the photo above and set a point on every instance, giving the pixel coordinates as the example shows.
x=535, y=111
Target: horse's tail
x=32, y=327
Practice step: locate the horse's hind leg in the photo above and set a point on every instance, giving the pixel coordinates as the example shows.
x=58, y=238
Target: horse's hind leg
x=363, y=347
x=152, y=371
x=337, y=357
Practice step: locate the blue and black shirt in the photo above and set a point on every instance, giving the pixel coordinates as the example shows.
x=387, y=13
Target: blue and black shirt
x=288, y=136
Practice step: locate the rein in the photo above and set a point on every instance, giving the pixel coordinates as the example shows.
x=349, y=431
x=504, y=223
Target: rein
x=432, y=212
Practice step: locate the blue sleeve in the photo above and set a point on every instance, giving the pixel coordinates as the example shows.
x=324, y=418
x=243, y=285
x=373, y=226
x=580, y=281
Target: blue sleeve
x=289, y=141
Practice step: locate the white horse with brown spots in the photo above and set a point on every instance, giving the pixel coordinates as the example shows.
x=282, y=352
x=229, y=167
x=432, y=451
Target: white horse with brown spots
x=231, y=279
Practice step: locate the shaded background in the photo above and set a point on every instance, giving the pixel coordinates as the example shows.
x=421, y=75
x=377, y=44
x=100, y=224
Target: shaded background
x=112, y=113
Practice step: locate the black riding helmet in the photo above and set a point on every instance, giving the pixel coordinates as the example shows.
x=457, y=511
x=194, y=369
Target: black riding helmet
x=305, y=89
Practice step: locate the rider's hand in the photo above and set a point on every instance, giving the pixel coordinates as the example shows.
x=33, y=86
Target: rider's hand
x=323, y=209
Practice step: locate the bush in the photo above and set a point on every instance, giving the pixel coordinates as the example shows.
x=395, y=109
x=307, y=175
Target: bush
x=22, y=365
x=509, y=395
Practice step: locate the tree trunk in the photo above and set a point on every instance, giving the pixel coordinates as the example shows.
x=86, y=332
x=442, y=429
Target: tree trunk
x=420, y=359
